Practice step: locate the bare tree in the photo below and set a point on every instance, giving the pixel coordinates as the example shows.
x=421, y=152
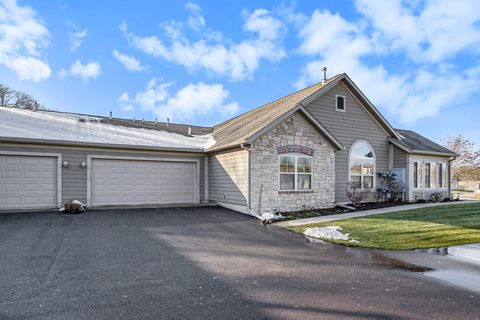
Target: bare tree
x=6, y=95
x=356, y=193
x=467, y=165
x=17, y=99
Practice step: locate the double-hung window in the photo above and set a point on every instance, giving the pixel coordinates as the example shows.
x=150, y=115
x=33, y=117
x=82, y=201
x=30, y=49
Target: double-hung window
x=362, y=165
x=295, y=173
x=429, y=175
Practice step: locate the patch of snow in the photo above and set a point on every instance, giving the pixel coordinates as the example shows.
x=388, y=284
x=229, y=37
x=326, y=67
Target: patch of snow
x=210, y=141
x=27, y=124
x=330, y=232
x=270, y=217
x=76, y=202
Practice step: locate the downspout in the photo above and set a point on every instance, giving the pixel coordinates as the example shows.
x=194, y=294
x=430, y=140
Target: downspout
x=249, y=193
x=206, y=174
x=449, y=186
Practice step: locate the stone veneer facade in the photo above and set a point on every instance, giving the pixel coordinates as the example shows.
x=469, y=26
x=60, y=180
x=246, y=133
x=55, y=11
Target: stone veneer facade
x=295, y=131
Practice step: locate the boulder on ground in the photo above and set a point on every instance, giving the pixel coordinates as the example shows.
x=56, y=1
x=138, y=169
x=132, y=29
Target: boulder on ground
x=74, y=206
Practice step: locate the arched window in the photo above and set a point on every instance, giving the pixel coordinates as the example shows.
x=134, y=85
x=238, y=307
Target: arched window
x=362, y=165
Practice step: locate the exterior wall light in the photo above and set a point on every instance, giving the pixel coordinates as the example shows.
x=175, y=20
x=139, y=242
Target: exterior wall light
x=65, y=164
x=83, y=164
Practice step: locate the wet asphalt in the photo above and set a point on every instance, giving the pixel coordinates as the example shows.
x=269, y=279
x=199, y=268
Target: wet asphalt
x=202, y=263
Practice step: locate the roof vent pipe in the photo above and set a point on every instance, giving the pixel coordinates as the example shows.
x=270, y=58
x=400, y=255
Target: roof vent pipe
x=189, y=131
x=110, y=115
x=324, y=70
x=143, y=120
x=133, y=119
x=168, y=122
x=155, y=121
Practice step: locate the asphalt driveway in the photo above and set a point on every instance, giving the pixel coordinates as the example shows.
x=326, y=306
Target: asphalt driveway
x=201, y=263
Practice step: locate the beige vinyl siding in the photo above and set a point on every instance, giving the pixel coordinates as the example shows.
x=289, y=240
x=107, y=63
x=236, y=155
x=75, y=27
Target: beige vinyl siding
x=74, y=178
x=399, y=158
x=228, y=177
x=354, y=124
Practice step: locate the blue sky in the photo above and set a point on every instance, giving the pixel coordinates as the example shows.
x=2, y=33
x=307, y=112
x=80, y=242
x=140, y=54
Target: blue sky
x=202, y=62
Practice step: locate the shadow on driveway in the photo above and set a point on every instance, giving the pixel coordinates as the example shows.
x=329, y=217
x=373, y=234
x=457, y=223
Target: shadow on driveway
x=202, y=263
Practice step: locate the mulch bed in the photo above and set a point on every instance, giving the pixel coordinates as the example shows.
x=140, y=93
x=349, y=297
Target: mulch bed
x=310, y=213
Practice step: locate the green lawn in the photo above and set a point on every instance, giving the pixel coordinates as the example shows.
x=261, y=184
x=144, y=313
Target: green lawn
x=412, y=229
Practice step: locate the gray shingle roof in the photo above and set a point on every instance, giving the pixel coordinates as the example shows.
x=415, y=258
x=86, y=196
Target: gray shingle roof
x=235, y=131
x=415, y=142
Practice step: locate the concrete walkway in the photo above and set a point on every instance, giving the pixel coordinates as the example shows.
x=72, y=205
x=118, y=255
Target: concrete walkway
x=334, y=217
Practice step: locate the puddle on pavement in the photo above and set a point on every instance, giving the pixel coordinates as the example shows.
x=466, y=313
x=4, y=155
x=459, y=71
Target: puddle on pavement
x=376, y=257
x=398, y=264
x=458, y=274
x=467, y=280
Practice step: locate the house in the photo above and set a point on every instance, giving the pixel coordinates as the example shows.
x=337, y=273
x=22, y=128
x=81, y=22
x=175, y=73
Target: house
x=298, y=151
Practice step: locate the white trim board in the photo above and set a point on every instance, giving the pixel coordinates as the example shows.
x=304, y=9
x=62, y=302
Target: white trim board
x=44, y=154
x=109, y=157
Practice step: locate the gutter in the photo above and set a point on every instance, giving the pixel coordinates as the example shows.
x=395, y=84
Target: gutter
x=97, y=145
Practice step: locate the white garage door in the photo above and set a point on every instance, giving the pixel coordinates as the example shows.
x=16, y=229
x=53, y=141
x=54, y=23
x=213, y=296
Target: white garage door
x=133, y=182
x=28, y=182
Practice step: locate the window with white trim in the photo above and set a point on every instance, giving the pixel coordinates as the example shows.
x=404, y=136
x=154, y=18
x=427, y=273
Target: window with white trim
x=429, y=175
x=295, y=172
x=362, y=165
x=340, y=103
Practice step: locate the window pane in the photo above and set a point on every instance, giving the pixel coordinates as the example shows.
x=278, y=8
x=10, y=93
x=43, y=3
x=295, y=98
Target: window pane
x=304, y=164
x=357, y=181
x=361, y=151
x=440, y=175
x=433, y=175
x=427, y=175
x=287, y=164
x=356, y=168
x=420, y=174
x=415, y=174
x=367, y=168
x=304, y=181
x=287, y=182
x=444, y=174
x=368, y=182
x=340, y=103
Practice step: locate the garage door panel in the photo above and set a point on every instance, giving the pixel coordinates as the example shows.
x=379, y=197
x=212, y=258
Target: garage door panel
x=115, y=181
x=28, y=182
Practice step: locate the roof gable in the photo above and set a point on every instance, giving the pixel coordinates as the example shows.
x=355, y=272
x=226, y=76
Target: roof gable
x=240, y=129
x=360, y=96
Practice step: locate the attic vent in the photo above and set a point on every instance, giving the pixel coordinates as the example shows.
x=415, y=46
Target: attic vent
x=339, y=103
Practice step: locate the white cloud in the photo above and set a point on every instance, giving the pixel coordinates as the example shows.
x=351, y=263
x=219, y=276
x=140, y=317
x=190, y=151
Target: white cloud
x=85, y=71
x=127, y=108
x=193, y=100
x=124, y=97
x=421, y=89
x=22, y=36
x=129, y=62
x=125, y=103
x=155, y=93
x=76, y=38
x=433, y=32
x=237, y=61
x=196, y=100
x=196, y=21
